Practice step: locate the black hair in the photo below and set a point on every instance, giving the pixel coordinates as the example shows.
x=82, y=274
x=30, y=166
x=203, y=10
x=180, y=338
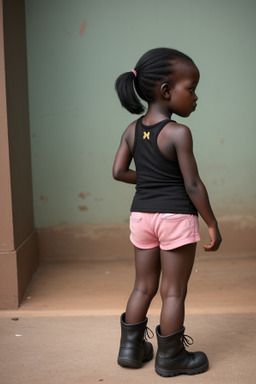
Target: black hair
x=151, y=68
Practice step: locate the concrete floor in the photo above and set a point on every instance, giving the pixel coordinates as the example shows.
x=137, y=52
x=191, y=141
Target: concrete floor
x=67, y=328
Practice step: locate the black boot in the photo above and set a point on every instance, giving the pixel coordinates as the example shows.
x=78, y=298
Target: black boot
x=172, y=358
x=134, y=349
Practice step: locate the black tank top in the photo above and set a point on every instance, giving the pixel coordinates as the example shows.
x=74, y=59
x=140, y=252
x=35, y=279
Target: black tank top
x=160, y=185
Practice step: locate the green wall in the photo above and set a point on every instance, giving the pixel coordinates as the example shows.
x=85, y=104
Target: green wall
x=76, y=49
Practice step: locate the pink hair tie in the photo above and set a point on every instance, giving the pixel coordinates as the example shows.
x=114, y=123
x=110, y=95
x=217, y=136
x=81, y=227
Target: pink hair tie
x=134, y=72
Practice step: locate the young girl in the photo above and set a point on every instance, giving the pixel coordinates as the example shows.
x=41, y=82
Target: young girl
x=164, y=212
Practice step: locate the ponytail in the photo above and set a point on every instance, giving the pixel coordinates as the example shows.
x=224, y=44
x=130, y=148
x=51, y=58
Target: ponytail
x=125, y=90
x=140, y=83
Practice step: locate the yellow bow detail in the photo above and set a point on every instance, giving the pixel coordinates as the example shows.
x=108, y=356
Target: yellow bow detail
x=146, y=135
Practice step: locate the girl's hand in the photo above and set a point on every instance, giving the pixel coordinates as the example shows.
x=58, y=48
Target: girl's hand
x=216, y=239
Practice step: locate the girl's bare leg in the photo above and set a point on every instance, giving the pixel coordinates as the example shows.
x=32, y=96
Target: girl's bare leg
x=176, y=270
x=147, y=267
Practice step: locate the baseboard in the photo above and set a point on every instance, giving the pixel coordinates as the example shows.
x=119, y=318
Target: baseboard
x=27, y=263
x=84, y=242
x=111, y=241
x=16, y=270
x=8, y=281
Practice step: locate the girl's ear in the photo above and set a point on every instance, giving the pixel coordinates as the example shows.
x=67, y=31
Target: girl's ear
x=166, y=90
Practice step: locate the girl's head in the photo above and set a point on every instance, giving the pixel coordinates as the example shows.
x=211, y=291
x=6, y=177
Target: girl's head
x=154, y=68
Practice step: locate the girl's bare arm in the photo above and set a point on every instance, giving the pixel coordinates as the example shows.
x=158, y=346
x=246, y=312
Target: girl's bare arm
x=194, y=186
x=121, y=168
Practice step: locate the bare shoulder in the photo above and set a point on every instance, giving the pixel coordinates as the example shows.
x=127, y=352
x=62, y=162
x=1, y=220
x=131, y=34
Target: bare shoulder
x=177, y=132
x=129, y=134
x=176, y=128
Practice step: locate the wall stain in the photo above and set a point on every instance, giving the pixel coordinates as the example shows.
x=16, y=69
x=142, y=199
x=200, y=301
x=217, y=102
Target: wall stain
x=83, y=195
x=83, y=208
x=98, y=199
x=221, y=180
x=44, y=198
x=82, y=28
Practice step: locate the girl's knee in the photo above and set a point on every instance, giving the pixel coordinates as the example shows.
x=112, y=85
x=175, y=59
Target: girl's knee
x=148, y=291
x=173, y=292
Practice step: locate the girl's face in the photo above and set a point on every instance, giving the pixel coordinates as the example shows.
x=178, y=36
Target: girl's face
x=183, y=96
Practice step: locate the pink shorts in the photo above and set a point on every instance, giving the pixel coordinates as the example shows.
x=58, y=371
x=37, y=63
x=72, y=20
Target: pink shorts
x=165, y=230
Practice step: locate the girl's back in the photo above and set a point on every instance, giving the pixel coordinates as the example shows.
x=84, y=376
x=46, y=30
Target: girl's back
x=160, y=185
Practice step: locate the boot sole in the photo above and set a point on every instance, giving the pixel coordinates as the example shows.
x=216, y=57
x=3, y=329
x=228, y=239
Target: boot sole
x=177, y=372
x=134, y=363
x=130, y=364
